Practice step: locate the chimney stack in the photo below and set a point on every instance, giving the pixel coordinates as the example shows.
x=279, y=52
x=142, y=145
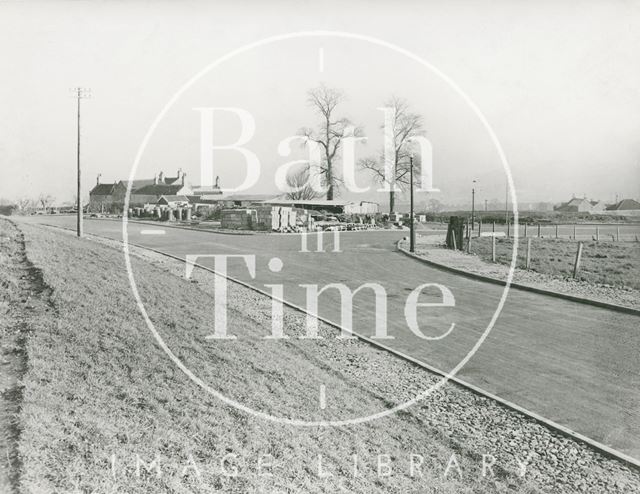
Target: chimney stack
x=155, y=180
x=182, y=175
x=179, y=175
x=98, y=178
x=161, y=177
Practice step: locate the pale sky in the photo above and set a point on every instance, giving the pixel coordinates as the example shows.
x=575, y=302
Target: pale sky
x=559, y=82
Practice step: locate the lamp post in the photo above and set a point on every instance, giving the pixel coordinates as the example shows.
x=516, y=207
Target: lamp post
x=412, y=239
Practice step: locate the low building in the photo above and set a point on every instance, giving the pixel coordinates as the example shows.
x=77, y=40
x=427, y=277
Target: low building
x=580, y=205
x=625, y=205
x=333, y=206
x=173, y=201
x=245, y=200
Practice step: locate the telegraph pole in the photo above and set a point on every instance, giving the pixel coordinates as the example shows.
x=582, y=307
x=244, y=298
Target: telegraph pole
x=412, y=239
x=79, y=93
x=506, y=204
x=473, y=205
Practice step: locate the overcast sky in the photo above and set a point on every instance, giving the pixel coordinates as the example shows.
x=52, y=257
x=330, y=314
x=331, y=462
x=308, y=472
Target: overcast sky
x=559, y=82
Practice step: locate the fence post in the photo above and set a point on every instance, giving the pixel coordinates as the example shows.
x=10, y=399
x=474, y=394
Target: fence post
x=617, y=234
x=576, y=265
x=574, y=232
x=468, y=244
x=528, y=263
x=508, y=225
x=480, y=227
x=597, y=233
x=493, y=248
x=538, y=230
x=493, y=226
x=556, y=230
x=525, y=230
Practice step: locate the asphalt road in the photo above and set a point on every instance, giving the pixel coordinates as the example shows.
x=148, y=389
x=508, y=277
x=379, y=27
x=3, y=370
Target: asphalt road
x=572, y=363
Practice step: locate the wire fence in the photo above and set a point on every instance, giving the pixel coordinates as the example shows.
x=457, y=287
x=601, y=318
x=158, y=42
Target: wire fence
x=576, y=231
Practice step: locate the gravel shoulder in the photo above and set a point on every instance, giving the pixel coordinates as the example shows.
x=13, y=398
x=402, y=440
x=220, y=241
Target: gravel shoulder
x=110, y=390
x=431, y=247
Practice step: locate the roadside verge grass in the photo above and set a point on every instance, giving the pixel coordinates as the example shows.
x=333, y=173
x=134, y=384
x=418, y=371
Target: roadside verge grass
x=603, y=262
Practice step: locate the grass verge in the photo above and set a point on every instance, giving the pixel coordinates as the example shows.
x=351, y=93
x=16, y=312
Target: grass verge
x=608, y=263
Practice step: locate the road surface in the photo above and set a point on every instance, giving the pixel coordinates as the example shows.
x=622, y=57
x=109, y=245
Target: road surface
x=569, y=362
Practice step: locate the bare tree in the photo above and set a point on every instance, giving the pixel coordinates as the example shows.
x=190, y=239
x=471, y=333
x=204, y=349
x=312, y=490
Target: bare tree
x=405, y=125
x=24, y=204
x=298, y=179
x=331, y=131
x=45, y=201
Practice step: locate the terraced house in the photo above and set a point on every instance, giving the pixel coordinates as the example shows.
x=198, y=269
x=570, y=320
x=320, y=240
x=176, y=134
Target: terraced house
x=110, y=197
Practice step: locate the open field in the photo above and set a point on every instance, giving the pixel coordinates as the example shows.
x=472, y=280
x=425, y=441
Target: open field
x=603, y=262
x=99, y=388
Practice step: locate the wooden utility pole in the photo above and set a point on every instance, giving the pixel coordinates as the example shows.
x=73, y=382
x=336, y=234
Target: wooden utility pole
x=576, y=265
x=412, y=238
x=80, y=93
x=528, y=262
x=493, y=248
x=506, y=204
x=473, y=205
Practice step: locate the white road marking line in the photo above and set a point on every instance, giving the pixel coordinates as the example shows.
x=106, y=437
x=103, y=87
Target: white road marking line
x=323, y=397
x=321, y=59
x=152, y=232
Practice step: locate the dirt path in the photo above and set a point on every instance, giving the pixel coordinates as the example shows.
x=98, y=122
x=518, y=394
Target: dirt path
x=22, y=296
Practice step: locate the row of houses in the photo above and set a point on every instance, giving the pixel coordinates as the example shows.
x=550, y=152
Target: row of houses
x=583, y=205
x=175, y=191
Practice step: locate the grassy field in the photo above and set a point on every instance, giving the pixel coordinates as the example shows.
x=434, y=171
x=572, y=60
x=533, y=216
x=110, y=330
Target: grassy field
x=100, y=396
x=603, y=262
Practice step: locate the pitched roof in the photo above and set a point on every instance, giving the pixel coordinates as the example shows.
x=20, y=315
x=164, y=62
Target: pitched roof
x=169, y=199
x=102, y=190
x=625, y=205
x=250, y=197
x=204, y=199
x=576, y=201
x=159, y=190
x=136, y=184
x=310, y=202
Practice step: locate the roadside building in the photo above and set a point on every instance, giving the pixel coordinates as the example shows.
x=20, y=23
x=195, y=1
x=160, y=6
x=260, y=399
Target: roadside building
x=161, y=186
x=173, y=201
x=580, y=205
x=625, y=205
x=106, y=198
x=628, y=207
x=246, y=200
x=333, y=206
